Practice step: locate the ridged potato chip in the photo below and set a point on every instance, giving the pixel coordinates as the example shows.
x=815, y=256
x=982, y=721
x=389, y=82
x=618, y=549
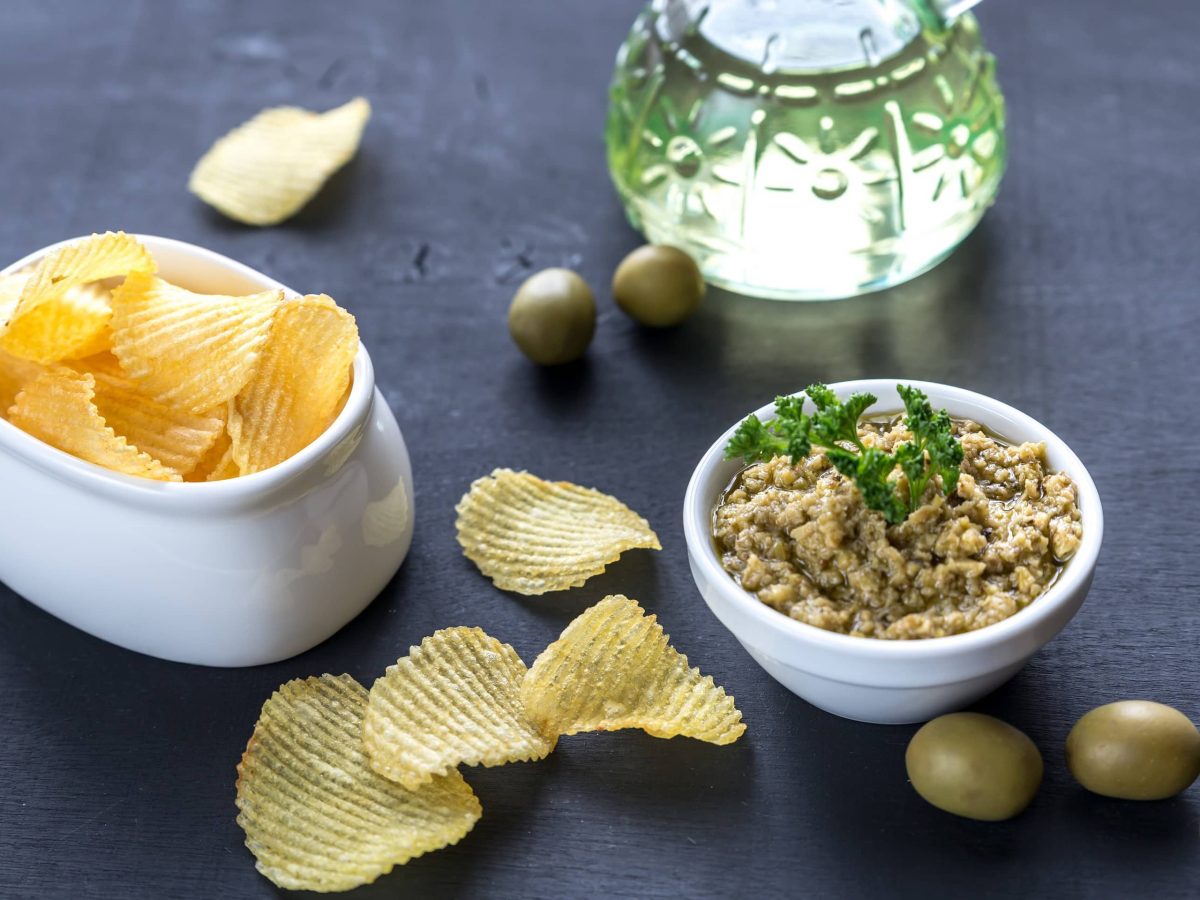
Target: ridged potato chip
x=226, y=467
x=217, y=464
x=10, y=295
x=102, y=363
x=454, y=699
x=297, y=389
x=315, y=816
x=176, y=438
x=58, y=407
x=268, y=168
x=70, y=326
x=194, y=351
x=533, y=536
x=60, y=311
x=613, y=668
x=92, y=259
x=15, y=373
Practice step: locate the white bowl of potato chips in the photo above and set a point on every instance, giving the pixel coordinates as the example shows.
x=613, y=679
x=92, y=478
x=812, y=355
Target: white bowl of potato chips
x=197, y=463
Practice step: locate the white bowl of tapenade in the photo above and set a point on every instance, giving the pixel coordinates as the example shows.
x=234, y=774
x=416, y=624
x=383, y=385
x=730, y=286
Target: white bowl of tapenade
x=891, y=552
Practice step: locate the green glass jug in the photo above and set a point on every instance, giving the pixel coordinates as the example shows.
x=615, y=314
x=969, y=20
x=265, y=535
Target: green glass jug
x=806, y=149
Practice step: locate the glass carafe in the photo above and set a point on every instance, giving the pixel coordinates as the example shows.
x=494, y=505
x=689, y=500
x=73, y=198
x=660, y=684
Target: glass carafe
x=806, y=149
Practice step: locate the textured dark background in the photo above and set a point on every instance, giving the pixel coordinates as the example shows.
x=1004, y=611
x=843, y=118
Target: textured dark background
x=1075, y=301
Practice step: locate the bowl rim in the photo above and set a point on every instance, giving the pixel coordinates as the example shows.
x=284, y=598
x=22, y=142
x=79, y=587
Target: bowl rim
x=193, y=496
x=697, y=511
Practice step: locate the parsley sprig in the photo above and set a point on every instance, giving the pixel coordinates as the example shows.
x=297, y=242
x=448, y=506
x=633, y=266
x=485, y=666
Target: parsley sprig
x=833, y=426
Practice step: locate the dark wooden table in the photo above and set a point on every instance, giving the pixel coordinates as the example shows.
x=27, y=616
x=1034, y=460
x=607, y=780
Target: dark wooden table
x=1076, y=301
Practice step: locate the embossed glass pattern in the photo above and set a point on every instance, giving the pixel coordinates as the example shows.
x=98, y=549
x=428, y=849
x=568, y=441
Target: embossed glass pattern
x=806, y=149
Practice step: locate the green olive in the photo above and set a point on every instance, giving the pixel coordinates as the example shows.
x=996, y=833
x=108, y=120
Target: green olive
x=553, y=317
x=658, y=285
x=1134, y=750
x=974, y=766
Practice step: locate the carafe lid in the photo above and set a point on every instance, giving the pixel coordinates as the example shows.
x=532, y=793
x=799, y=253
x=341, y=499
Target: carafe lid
x=800, y=35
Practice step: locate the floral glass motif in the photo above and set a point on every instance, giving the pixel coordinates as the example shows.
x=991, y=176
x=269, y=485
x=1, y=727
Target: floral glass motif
x=810, y=184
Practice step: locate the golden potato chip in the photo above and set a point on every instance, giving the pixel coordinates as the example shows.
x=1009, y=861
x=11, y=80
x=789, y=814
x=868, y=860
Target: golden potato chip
x=194, y=351
x=266, y=169
x=93, y=304
x=173, y=436
x=217, y=464
x=316, y=817
x=92, y=259
x=226, y=467
x=297, y=388
x=14, y=374
x=10, y=295
x=58, y=407
x=533, y=536
x=70, y=326
x=614, y=668
x=102, y=363
x=14, y=371
x=454, y=699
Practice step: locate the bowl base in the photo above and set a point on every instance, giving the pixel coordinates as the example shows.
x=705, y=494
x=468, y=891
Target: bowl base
x=880, y=705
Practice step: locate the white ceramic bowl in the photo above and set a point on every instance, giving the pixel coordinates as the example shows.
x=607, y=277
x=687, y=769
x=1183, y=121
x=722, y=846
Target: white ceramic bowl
x=892, y=682
x=233, y=573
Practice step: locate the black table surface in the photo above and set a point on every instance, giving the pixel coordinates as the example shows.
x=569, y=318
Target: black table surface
x=1076, y=300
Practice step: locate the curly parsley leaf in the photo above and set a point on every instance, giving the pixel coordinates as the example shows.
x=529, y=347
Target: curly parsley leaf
x=822, y=397
x=945, y=456
x=836, y=421
x=754, y=442
x=878, y=489
x=933, y=450
x=911, y=459
x=844, y=461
